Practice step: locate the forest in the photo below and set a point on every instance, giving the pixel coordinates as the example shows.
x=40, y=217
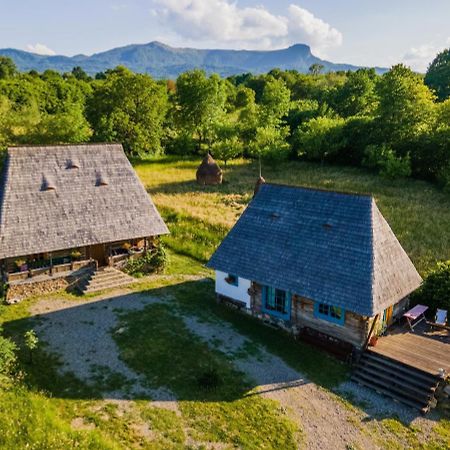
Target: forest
x=397, y=124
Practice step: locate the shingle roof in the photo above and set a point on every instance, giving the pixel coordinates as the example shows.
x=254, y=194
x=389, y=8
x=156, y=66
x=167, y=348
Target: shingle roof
x=80, y=210
x=330, y=247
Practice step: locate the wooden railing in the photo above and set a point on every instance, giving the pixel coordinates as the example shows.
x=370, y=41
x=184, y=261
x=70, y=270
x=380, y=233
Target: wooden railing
x=59, y=268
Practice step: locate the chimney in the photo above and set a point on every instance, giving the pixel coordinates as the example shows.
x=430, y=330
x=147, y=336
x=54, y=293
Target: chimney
x=258, y=184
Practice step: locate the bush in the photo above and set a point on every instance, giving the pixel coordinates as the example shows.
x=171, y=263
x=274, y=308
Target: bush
x=153, y=261
x=384, y=159
x=182, y=144
x=7, y=357
x=435, y=290
x=320, y=138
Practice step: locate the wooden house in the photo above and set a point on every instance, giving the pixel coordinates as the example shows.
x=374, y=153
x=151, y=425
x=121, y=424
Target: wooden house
x=65, y=207
x=319, y=263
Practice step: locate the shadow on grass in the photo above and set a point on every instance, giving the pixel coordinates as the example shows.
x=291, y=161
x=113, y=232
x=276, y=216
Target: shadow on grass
x=108, y=342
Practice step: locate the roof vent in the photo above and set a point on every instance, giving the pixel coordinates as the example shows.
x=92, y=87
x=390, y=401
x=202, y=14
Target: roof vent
x=73, y=164
x=101, y=180
x=47, y=184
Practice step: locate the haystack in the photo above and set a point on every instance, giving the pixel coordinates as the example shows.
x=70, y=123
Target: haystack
x=209, y=172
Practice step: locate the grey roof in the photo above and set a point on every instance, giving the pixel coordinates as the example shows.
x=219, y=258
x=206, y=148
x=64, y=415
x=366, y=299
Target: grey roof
x=81, y=209
x=330, y=247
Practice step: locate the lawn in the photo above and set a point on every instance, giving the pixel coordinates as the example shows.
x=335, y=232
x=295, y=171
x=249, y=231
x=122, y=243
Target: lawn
x=216, y=401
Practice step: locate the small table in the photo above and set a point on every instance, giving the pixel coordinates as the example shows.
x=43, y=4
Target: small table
x=415, y=315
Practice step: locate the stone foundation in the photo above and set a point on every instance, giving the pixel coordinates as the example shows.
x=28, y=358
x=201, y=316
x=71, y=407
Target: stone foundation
x=443, y=397
x=18, y=292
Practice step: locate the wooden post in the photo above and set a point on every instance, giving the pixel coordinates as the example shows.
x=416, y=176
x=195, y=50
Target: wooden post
x=145, y=246
x=51, y=265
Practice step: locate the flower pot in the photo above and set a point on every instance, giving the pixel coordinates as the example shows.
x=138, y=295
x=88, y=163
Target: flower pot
x=373, y=341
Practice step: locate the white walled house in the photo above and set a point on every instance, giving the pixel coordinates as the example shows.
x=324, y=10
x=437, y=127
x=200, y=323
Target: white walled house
x=233, y=287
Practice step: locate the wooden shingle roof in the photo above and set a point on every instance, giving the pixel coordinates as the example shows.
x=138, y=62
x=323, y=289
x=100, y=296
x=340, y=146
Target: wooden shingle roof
x=59, y=197
x=330, y=247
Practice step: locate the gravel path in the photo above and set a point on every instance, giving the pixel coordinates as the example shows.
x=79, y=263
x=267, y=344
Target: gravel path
x=80, y=332
x=326, y=421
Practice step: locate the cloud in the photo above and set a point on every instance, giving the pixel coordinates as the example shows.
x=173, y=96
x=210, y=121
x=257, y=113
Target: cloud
x=40, y=49
x=305, y=27
x=418, y=58
x=226, y=24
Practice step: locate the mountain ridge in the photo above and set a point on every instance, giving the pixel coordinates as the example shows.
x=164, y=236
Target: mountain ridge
x=163, y=61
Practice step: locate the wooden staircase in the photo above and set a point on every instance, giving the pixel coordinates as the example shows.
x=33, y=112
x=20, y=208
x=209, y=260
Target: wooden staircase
x=403, y=383
x=102, y=279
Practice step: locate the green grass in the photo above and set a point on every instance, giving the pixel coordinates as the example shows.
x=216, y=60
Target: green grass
x=168, y=354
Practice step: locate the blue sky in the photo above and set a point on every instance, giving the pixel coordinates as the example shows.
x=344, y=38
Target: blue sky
x=363, y=32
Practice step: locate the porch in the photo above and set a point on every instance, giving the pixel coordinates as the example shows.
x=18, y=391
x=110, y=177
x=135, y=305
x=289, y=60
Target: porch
x=425, y=349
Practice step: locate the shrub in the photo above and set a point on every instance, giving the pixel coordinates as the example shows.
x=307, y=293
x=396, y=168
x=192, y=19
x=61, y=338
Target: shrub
x=209, y=379
x=7, y=357
x=435, y=290
x=320, y=138
x=384, y=159
x=153, y=261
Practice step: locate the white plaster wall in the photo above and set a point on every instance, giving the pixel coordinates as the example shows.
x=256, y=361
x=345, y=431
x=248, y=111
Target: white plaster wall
x=239, y=292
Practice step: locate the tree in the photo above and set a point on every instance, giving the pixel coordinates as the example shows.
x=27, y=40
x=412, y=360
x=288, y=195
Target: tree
x=435, y=290
x=356, y=96
x=7, y=68
x=129, y=108
x=80, y=74
x=270, y=143
x=200, y=103
x=406, y=106
x=320, y=138
x=316, y=69
x=438, y=75
x=275, y=102
x=227, y=148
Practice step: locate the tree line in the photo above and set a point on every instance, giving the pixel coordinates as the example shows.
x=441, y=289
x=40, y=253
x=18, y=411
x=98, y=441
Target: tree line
x=397, y=123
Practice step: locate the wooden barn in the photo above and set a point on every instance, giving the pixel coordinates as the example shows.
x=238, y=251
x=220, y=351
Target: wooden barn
x=66, y=207
x=322, y=264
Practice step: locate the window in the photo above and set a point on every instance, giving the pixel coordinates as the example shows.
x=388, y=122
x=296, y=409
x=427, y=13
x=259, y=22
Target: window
x=329, y=312
x=232, y=279
x=276, y=302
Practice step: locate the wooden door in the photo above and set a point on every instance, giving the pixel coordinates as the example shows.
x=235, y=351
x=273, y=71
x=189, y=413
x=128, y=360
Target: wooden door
x=387, y=316
x=98, y=253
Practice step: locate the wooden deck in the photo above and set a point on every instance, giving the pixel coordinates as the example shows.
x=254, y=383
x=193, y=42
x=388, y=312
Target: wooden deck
x=424, y=349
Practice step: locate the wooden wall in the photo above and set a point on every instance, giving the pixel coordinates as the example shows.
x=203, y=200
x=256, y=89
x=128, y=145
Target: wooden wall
x=354, y=330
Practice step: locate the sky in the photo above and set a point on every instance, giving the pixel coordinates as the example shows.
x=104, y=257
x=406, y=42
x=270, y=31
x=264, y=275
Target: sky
x=361, y=32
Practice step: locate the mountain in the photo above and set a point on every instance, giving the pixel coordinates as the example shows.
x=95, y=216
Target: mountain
x=163, y=61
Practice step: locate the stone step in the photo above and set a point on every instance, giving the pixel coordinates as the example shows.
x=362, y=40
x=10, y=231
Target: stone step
x=103, y=279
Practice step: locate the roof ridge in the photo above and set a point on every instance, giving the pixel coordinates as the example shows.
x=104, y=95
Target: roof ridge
x=317, y=189
x=82, y=144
